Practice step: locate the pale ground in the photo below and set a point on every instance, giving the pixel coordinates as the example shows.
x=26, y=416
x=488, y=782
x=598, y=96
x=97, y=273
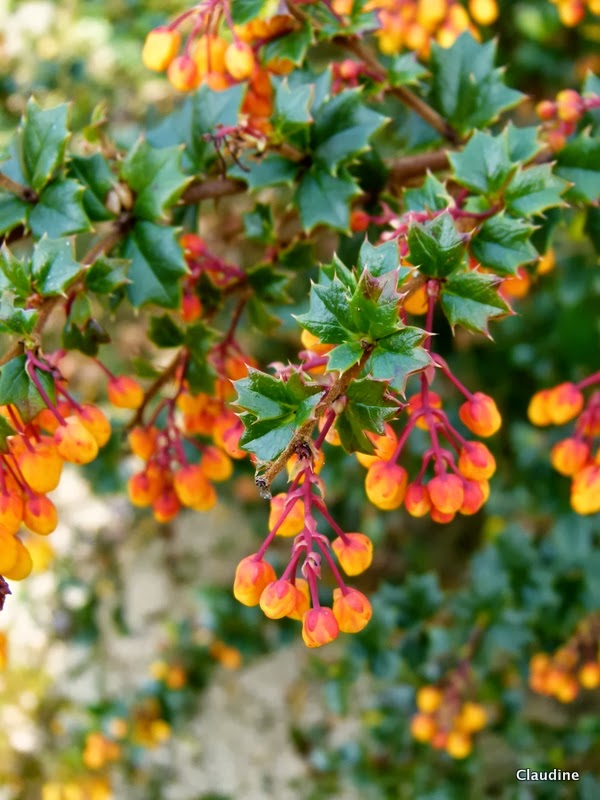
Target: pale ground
x=239, y=744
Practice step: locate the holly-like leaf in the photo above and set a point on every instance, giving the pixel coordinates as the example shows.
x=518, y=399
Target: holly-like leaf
x=366, y=409
x=157, y=264
x=44, y=141
x=435, y=247
x=258, y=224
x=579, y=163
x=398, y=356
x=53, y=267
x=106, y=275
x=13, y=212
x=14, y=274
x=503, y=244
x=323, y=198
x=17, y=388
x=268, y=284
x=272, y=170
x=274, y=410
x=342, y=129
x=163, y=332
x=466, y=88
x=405, y=70
x=19, y=321
x=533, y=190
x=155, y=176
x=243, y=11
x=292, y=46
x=344, y=356
x=484, y=165
x=59, y=210
x=94, y=173
x=471, y=299
x=292, y=107
x=199, y=374
x=523, y=143
x=432, y=195
x=380, y=259
x=328, y=317
x=373, y=307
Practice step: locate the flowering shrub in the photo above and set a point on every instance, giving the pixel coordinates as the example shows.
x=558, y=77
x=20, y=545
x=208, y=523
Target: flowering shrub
x=371, y=165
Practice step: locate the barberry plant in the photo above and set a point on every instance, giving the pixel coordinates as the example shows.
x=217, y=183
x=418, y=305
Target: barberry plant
x=371, y=165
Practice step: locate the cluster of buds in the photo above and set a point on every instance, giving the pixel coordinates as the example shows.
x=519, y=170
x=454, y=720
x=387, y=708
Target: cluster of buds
x=169, y=479
x=445, y=718
x=574, y=666
x=296, y=596
x=32, y=461
x=201, y=261
x=83, y=789
x=574, y=456
x=572, y=12
x=562, y=116
x=220, y=54
x=100, y=750
x=413, y=25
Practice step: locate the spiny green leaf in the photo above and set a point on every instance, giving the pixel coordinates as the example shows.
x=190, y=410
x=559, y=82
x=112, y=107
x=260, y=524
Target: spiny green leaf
x=14, y=274
x=292, y=107
x=243, y=11
x=163, y=332
x=13, y=212
x=533, y=190
x=44, y=141
x=106, y=275
x=94, y=173
x=398, y=356
x=432, y=195
x=292, y=46
x=579, y=163
x=374, y=305
x=157, y=264
x=366, y=410
x=17, y=388
x=435, y=247
x=271, y=170
x=328, y=317
x=405, y=70
x=471, y=299
x=484, y=164
x=156, y=178
x=380, y=259
x=324, y=199
x=523, y=143
x=53, y=267
x=19, y=321
x=344, y=356
x=59, y=210
x=503, y=244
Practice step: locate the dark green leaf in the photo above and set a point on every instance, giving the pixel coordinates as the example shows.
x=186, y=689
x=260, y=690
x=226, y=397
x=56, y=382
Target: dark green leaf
x=258, y=224
x=272, y=170
x=292, y=46
x=156, y=178
x=17, y=388
x=328, y=317
x=374, y=305
x=13, y=212
x=366, y=410
x=344, y=356
x=471, y=299
x=533, y=190
x=53, y=267
x=378, y=259
x=260, y=317
x=579, y=163
x=157, y=264
x=44, y=142
x=94, y=172
x=59, y=210
x=503, y=244
x=324, y=198
x=292, y=107
x=405, y=70
x=435, y=247
x=14, y=274
x=432, y=195
x=19, y=321
x=243, y=11
x=523, y=143
x=484, y=164
x=198, y=339
x=268, y=283
x=398, y=356
x=163, y=332
x=106, y=274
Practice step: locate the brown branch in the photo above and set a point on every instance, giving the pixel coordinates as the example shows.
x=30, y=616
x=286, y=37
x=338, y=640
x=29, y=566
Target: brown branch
x=409, y=167
x=420, y=107
x=212, y=189
x=22, y=192
x=337, y=389
x=154, y=388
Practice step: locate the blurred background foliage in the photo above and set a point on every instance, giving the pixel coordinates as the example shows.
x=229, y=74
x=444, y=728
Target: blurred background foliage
x=126, y=628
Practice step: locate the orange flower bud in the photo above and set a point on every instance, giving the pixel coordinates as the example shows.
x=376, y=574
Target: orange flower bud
x=208, y=53
x=251, y=578
x=484, y=12
x=319, y=627
x=569, y=105
x=385, y=484
x=458, y=744
x=42, y=467
x=183, y=74
x=438, y=516
x=384, y=447
x=417, y=302
x=191, y=307
x=312, y=343
x=476, y=493
x=95, y=422
x=476, y=462
x=239, y=60
x=480, y=415
x=589, y=675
x=585, y=490
x=415, y=403
x=216, y=464
x=517, y=286
x=8, y=552
x=472, y=718
x=446, y=492
x=545, y=110
x=416, y=500
x=423, y=727
x=359, y=220
x=74, y=442
x=40, y=515
x=166, y=506
x=193, y=489
x=278, y=599
x=567, y=690
x=429, y=699
x=351, y=609
x=569, y=456
x=302, y=599
x=565, y=402
x=539, y=408
x=125, y=392
x=11, y=511
x=142, y=491
x=143, y=441
x=354, y=552
x=23, y=564
x=293, y=523
x=160, y=48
